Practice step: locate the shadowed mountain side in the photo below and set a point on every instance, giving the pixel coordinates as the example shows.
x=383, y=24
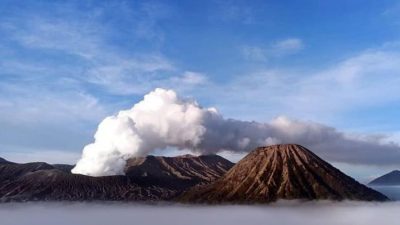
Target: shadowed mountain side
x=3, y=161
x=148, y=179
x=11, y=171
x=56, y=185
x=392, y=178
x=64, y=167
x=197, y=169
x=281, y=172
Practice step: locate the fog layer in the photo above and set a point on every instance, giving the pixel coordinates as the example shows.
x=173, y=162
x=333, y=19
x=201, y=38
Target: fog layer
x=309, y=213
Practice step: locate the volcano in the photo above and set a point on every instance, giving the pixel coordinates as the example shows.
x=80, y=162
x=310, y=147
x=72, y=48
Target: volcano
x=281, y=172
x=151, y=178
x=390, y=179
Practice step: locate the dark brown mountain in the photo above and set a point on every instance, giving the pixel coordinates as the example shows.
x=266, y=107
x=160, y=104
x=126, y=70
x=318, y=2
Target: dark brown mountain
x=281, y=172
x=392, y=178
x=196, y=169
x=147, y=179
x=64, y=167
x=10, y=171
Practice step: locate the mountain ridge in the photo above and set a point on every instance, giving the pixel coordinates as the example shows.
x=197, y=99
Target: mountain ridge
x=264, y=175
x=44, y=182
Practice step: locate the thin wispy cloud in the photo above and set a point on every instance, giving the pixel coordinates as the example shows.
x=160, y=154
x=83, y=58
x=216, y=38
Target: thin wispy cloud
x=288, y=46
x=392, y=14
x=254, y=53
x=66, y=65
x=234, y=11
x=368, y=78
x=280, y=48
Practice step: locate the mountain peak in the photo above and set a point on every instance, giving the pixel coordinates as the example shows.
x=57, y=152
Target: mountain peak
x=287, y=149
x=281, y=147
x=286, y=171
x=392, y=178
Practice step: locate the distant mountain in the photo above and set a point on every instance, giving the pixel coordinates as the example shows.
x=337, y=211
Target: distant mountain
x=148, y=179
x=281, y=172
x=392, y=178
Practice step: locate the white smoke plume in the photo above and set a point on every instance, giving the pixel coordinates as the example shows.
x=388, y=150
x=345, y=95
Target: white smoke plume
x=162, y=120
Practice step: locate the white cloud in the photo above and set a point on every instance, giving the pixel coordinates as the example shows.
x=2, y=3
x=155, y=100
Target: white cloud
x=162, y=120
x=80, y=72
x=254, y=53
x=127, y=76
x=367, y=79
x=185, y=82
x=278, y=49
x=236, y=11
x=193, y=78
x=40, y=117
x=289, y=45
x=84, y=39
x=59, y=93
x=26, y=103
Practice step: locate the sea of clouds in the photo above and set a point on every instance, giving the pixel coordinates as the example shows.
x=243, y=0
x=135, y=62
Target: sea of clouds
x=282, y=213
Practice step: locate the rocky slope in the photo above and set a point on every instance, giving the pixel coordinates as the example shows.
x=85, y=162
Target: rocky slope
x=148, y=178
x=196, y=169
x=392, y=178
x=281, y=172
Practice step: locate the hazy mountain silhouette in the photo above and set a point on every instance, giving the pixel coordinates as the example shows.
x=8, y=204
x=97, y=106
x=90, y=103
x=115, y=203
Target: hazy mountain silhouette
x=392, y=178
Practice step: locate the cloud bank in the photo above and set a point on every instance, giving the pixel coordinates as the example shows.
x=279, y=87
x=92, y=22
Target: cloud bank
x=162, y=120
x=283, y=213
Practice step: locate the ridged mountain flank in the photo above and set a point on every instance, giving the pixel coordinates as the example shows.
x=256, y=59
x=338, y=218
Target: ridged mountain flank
x=148, y=178
x=285, y=171
x=196, y=169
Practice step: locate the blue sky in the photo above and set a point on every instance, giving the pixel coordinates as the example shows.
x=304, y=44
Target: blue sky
x=65, y=65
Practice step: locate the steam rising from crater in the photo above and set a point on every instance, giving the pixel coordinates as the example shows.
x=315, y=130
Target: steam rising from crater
x=162, y=120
